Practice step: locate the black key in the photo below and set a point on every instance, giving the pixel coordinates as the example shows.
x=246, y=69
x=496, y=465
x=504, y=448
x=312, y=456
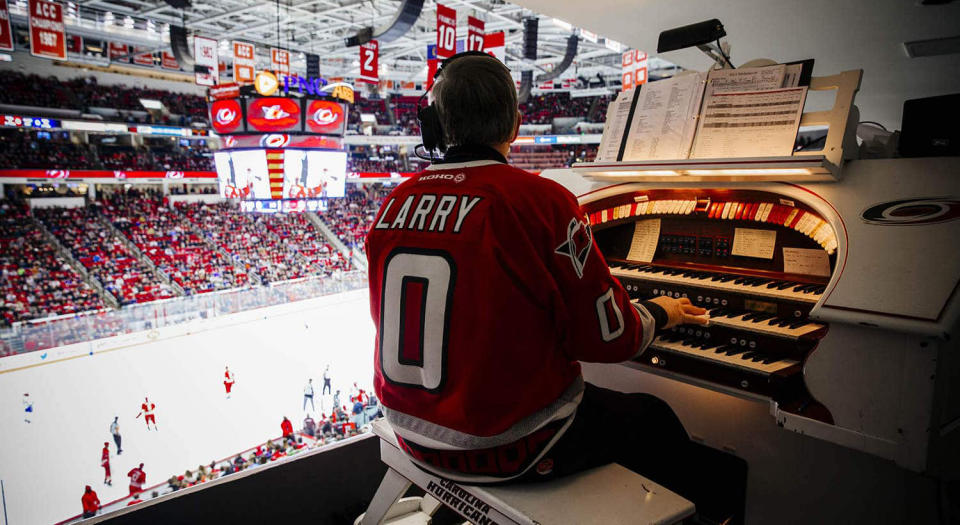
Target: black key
x=773, y=284
x=784, y=285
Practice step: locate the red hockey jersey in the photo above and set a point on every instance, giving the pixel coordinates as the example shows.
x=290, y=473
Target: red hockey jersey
x=486, y=288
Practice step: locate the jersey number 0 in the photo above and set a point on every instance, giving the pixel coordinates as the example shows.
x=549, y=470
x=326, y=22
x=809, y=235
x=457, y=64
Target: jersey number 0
x=415, y=315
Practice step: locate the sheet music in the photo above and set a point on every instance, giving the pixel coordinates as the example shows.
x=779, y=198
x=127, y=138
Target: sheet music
x=806, y=261
x=665, y=118
x=748, y=79
x=751, y=242
x=618, y=112
x=791, y=78
x=646, y=234
x=749, y=124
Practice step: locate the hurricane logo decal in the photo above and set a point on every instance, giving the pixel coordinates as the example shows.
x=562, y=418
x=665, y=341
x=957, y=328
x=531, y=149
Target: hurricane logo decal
x=910, y=212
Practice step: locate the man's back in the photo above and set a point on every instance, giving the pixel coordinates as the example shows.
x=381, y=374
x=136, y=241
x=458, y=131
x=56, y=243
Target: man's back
x=486, y=288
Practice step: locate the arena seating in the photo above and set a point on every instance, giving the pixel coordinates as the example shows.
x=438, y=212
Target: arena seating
x=350, y=218
x=103, y=253
x=539, y=158
x=542, y=109
x=169, y=240
x=35, y=280
x=84, y=93
x=297, y=234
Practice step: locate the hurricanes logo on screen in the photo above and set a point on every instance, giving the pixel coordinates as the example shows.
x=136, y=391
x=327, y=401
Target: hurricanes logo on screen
x=58, y=174
x=277, y=140
x=174, y=174
x=230, y=142
x=274, y=114
x=225, y=116
x=119, y=174
x=324, y=116
x=931, y=210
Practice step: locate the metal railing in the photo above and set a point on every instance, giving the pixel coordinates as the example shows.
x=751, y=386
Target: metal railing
x=52, y=332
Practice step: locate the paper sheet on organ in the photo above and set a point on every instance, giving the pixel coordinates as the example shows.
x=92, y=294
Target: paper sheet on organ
x=618, y=115
x=751, y=242
x=806, y=261
x=665, y=118
x=749, y=124
x=646, y=234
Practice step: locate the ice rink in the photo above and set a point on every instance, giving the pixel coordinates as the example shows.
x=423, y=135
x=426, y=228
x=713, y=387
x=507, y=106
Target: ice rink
x=44, y=465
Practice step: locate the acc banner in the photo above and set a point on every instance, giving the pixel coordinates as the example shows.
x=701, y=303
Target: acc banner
x=205, y=54
x=280, y=60
x=6, y=36
x=633, y=69
x=243, y=62
x=369, y=58
x=475, y=34
x=446, y=31
x=48, y=37
x=494, y=45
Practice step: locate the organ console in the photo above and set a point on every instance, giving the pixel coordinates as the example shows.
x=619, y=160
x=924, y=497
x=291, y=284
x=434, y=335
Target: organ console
x=760, y=331
x=857, y=349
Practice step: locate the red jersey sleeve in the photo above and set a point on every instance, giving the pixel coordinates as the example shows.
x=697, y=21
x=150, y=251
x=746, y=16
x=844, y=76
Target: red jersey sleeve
x=551, y=248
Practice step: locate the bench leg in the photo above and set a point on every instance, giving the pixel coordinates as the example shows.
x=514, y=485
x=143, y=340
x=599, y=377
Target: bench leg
x=391, y=488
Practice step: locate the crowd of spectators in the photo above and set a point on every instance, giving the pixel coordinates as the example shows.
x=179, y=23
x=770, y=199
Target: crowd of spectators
x=171, y=242
x=24, y=150
x=542, y=109
x=350, y=217
x=35, y=280
x=103, y=253
x=83, y=93
x=538, y=158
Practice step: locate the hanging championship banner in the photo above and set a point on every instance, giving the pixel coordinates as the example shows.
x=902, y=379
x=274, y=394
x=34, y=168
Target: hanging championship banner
x=48, y=37
x=205, y=54
x=446, y=31
x=369, y=58
x=6, y=35
x=494, y=44
x=475, y=34
x=633, y=69
x=169, y=61
x=117, y=51
x=243, y=62
x=74, y=44
x=141, y=58
x=432, y=64
x=280, y=60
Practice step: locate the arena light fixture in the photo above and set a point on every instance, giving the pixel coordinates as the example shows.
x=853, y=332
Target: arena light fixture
x=151, y=104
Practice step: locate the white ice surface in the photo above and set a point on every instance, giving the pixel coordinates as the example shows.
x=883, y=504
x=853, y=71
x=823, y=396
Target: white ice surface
x=44, y=465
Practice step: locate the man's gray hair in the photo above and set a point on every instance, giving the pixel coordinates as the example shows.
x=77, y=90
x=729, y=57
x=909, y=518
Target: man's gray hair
x=476, y=100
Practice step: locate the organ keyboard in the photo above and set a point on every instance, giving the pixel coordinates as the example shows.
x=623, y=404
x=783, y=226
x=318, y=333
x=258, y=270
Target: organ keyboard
x=760, y=332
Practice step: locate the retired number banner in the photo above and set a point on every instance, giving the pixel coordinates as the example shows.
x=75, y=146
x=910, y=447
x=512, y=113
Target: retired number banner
x=243, y=62
x=369, y=62
x=48, y=37
x=280, y=60
x=6, y=36
x=475, y=28
x=205, y=54
x=446, y=31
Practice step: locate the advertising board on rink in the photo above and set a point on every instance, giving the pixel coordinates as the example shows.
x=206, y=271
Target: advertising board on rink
x=48, y=37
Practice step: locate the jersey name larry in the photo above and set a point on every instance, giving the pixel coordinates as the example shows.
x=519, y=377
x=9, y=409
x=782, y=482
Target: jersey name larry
x=427, y=212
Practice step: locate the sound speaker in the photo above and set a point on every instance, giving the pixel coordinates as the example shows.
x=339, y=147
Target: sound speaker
x=313, y=65
x=180, y=46
x=565, y=63
x=530, y=28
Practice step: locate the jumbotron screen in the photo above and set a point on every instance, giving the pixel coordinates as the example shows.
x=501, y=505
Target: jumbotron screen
x=260, y=174
x=311, y=116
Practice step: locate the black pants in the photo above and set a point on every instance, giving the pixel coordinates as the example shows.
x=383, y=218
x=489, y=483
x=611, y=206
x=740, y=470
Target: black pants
x=116, y=439
x=643, y=434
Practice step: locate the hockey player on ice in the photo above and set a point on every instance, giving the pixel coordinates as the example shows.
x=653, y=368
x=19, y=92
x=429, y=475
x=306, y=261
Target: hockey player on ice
x=137, y=478
x=27, y=407
x=105, y=463
x=228, y=381
x=146, y=409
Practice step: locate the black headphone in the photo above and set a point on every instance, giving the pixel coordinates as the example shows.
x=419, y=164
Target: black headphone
x=431, y=131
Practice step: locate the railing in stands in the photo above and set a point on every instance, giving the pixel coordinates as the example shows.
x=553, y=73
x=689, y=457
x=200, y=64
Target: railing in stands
x=62, y=330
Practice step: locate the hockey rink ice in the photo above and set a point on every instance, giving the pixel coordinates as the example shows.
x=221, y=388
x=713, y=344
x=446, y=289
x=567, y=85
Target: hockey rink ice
x=44, y=465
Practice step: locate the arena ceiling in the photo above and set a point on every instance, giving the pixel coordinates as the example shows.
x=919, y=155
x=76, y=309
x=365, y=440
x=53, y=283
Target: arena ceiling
x=321, y=26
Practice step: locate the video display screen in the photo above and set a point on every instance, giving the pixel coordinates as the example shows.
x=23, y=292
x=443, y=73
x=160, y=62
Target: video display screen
x=307, y=174
x=273, y=114
x=325, y=117
x=226, y=116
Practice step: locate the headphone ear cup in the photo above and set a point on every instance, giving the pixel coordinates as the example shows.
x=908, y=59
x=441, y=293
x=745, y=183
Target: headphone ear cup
x=430, y=129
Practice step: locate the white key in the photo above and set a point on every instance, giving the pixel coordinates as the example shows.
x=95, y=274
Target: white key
x=764, y=327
